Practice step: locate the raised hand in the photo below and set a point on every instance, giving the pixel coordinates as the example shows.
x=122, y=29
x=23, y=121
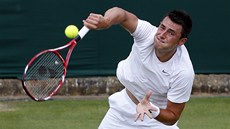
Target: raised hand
x=146, y=107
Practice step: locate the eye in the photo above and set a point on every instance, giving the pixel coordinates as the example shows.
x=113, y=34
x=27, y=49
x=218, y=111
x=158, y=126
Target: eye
x=172, y=33
x=162, y=27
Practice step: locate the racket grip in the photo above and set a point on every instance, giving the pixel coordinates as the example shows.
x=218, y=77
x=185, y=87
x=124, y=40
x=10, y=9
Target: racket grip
x=84, y=30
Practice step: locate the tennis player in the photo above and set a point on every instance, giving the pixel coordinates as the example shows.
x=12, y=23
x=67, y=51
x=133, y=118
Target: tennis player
x=157, y=75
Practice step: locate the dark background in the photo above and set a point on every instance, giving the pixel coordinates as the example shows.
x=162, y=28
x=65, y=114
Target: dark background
x=28, y=27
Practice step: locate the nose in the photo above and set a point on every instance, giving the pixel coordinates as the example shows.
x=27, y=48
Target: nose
x=162, y=34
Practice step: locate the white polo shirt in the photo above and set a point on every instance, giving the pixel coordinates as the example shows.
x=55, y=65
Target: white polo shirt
x=142, y=71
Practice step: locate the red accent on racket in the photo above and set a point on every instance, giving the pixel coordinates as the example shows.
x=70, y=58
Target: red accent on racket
x=46, y=71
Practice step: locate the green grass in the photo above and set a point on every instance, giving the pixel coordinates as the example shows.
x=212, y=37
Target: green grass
x=58, y=114
x=200, y=113
x=206, y=113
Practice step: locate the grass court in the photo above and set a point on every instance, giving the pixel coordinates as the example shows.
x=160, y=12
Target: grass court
x=200, y=113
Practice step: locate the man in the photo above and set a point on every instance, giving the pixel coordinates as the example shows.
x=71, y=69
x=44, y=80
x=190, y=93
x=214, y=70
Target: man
x=158, y=74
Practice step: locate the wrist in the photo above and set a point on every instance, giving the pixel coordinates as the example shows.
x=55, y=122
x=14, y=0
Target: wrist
x=108, y=22
x=156, y=110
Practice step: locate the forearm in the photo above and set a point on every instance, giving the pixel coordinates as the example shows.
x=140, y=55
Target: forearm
x=111, y=17
x=167, y=117
x=120, y=16
x=171, y=114
x=114, y=16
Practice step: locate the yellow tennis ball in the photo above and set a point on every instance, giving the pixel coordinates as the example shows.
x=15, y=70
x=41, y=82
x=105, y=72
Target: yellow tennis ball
x=71, y=31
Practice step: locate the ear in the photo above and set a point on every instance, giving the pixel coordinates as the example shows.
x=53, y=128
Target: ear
x=182, y=41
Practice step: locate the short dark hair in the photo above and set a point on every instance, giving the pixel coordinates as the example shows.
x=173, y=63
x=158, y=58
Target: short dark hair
x=182, y=18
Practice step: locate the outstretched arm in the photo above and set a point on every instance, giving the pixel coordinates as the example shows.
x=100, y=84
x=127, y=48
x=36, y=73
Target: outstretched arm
x=111, y=17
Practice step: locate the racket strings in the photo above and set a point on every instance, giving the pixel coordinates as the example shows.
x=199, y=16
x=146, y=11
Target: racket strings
x=33, y=70
x=51, y=85
x=45, y=86
x=53, y=80
x=44, y=75
x=36, y=69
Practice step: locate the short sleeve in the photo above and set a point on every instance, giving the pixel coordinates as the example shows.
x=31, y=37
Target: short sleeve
x=143, y=31
x=181, y=88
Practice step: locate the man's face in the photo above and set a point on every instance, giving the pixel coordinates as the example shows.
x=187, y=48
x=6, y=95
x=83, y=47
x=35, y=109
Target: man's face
x=168, y=36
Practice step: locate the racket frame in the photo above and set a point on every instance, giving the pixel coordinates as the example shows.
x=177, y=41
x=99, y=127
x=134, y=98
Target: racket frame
x=65, y=62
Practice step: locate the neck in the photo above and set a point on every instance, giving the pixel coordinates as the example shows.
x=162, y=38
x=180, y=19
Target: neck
x=164, y=57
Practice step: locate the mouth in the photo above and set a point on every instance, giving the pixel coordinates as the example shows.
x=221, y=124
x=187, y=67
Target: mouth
x=159, y=40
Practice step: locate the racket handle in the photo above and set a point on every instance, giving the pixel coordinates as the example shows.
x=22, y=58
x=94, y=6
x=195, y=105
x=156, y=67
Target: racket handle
x=84, y=30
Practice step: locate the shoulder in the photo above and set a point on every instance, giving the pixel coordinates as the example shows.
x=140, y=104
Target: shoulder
x=181, y=85
x=144, y=29
x=183, y=60
x=183, y=67
x=182, y=77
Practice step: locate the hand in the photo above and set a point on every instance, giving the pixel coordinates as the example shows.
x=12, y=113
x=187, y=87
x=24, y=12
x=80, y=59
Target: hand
x=145, y=107
x=96, y=21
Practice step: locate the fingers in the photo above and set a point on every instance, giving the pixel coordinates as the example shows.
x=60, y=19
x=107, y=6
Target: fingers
x=148, y=95
x=94, y=18
x=137, y=116
x=145, y=107
x=94, y=21
x=140, y=116
x=89, y=25
x=142, y=110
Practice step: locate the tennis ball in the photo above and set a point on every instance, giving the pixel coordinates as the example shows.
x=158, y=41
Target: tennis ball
x=71, y=31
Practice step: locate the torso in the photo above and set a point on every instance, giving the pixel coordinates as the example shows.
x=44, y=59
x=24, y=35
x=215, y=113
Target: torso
x=142, y=71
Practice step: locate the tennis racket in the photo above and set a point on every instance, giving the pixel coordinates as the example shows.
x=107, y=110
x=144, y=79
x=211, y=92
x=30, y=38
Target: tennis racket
x=46, y=71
